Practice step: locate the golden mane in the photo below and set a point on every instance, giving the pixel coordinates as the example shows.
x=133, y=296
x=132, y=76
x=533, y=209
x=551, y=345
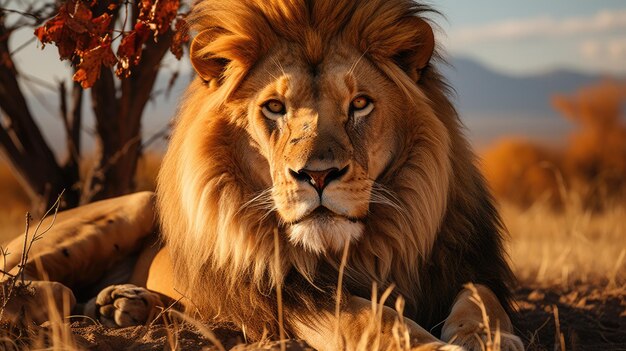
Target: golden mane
x=223, y=250
x=380, y=29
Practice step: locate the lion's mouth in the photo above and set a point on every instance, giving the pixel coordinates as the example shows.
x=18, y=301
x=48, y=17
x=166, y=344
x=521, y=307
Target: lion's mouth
x=323, y=214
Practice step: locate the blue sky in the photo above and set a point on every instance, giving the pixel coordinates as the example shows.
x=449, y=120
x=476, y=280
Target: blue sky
x=535, y=36
x=515, y=37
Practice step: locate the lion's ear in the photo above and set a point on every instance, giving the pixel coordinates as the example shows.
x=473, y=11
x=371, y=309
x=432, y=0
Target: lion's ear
x=418, y=52
x=207, y=65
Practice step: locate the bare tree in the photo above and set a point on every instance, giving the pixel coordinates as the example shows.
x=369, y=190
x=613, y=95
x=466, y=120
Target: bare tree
x=84, y=33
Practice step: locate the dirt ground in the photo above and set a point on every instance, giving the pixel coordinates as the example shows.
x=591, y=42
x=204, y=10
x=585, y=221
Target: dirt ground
x=587, y=317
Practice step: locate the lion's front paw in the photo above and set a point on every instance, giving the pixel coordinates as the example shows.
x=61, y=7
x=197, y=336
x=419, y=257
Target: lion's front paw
x=126, y=305
x=477, y=341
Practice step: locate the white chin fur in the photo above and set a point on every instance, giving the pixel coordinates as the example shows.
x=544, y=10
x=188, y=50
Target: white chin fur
x=319, y=236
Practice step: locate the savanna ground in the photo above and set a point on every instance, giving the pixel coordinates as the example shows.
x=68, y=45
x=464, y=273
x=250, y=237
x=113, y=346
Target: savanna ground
x=570, y=264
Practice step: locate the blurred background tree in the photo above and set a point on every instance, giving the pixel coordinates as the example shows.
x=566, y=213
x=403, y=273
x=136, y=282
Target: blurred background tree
x=101, y=40
x=587, y=170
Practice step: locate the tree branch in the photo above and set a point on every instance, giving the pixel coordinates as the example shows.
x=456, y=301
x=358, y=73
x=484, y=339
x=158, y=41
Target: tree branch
x=22, y=13
x=75, y=114
x=72, y=122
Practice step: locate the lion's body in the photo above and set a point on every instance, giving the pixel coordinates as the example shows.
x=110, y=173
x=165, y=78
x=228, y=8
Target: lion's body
x=317, y=128
x=446, y=234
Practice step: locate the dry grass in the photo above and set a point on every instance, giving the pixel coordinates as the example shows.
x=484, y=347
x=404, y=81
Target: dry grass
x=567, y=247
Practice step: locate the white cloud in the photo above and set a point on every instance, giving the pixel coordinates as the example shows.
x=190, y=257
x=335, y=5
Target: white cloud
x=590, y=49
x=617, y=49
x=542, y=26
x=613, y=50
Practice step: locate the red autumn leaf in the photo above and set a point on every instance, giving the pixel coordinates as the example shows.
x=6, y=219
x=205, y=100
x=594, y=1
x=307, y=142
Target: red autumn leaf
x=92, y=61
x=129, y=51
x=54, y=31
x=159, y=14
x=100, y=25
x=181, y=37
x=73, y=29
x=50, y=31
x=145, y=9
x=79, y=36
x=164, y=15
x=79, y=16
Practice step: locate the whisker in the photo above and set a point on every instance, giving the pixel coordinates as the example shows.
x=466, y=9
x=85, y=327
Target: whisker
x=270, y=74
x=384, y=196
x=260, y=200
x=353, y=67
x=279, y=65
x=267, y=213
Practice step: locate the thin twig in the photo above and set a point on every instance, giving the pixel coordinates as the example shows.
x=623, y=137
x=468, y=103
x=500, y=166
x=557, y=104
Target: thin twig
x=342, y=267
x=24, y=252
x=22, y=46
x=279, y=291
x=161, y=133
x=22, y=13
x=478, y=301
x=4, y=272
x=41, y=82
x=165, y=310
x=558, y=336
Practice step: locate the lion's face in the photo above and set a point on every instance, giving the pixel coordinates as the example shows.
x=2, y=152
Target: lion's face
x=327, y=133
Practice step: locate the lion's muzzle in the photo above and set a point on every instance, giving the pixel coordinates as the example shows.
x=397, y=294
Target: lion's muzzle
x=319, y=179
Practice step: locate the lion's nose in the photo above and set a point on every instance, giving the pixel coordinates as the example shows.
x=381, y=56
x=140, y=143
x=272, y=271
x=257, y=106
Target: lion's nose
x=319, y=179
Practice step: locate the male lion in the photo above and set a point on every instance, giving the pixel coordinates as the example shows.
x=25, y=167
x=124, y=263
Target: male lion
x=317, y=145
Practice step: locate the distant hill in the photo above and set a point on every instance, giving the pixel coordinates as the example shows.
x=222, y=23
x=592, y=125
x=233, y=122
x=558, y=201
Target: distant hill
x=493, y=104
x=480, y=89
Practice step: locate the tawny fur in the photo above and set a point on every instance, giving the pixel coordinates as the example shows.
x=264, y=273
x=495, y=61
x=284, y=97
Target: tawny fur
x=437, y=227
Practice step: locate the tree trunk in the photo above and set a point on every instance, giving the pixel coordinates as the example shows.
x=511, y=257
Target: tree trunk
x=118, y=123
x=21, y=141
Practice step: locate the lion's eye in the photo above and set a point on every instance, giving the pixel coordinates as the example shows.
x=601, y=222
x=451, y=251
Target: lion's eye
x=361, y=106
x=359, y=103
x=274, y=109
x=275, y=106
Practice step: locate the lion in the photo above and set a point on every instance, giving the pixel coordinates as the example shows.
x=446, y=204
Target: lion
x=316, y=158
